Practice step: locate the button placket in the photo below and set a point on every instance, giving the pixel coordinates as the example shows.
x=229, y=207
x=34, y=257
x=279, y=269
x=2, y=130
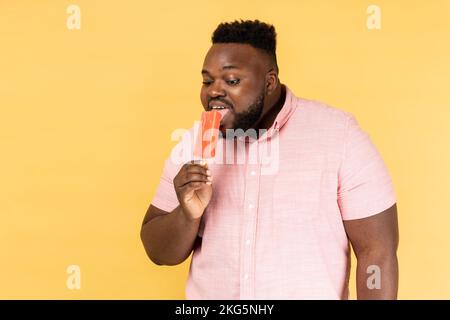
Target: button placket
x=249, y=230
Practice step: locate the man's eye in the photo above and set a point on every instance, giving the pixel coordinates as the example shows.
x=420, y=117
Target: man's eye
x=233, y=82
x=207, y=83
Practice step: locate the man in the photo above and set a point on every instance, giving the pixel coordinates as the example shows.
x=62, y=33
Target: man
x=281, y=233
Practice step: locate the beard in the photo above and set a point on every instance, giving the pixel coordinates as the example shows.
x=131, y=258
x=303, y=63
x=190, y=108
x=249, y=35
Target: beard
x=245, y=120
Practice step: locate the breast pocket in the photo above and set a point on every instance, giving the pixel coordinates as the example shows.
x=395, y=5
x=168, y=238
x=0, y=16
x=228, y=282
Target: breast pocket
x=296, y=196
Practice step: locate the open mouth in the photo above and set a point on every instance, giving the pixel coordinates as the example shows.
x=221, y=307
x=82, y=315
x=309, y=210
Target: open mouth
x=223, y=110
x=218, y=107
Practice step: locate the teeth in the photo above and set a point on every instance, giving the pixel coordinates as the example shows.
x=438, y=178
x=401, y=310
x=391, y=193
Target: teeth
x=217, y=107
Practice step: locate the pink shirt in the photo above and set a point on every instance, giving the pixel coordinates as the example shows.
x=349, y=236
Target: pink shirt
x=274, y=229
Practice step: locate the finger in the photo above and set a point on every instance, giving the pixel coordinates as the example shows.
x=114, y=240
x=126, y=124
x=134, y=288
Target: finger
x=182, y=177
x=194, y=177
x=197, y=177
x=194, y=168
x=194, y=163
x=201, y=162
x=194, y=185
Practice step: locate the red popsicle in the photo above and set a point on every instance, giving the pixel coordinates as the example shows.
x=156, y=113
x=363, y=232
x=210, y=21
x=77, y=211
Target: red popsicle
x=208, y=135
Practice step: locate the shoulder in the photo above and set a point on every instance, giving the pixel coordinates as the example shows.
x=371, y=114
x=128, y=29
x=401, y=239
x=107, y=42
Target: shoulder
x=317, y=114
x=322, y=110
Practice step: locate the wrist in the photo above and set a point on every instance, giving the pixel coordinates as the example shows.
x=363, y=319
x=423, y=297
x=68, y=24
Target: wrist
x=187, y=218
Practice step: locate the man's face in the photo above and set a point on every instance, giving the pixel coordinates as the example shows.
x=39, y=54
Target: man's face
x=234, y=77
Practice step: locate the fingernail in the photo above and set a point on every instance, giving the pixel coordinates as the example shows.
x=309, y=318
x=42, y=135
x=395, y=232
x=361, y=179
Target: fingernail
x=209, y=178
x=208, y=183
x=208, y=172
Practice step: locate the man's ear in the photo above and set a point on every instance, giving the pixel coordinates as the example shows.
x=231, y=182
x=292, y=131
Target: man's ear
x=271, y=81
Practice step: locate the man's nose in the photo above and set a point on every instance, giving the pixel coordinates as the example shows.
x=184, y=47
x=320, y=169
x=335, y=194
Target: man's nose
x=216, y=90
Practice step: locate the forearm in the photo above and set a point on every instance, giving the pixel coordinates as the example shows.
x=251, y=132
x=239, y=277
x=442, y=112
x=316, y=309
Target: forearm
x=168, y=239
x=377, y=275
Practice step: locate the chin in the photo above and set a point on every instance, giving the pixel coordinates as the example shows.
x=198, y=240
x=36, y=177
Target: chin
x=223, y=130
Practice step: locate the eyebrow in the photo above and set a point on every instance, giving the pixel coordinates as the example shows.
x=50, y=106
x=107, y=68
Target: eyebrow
x=226, y=67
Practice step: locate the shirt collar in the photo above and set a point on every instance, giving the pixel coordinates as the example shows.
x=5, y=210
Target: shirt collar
x=283, y=116
x=286, y=111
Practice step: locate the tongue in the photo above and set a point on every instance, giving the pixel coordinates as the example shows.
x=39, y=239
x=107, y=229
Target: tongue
x=223, y=112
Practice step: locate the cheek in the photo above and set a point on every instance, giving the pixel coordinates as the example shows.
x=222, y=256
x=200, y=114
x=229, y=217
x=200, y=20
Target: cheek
x=243, y=102
x=238, y=96
x=203, y=98
x=244, y=96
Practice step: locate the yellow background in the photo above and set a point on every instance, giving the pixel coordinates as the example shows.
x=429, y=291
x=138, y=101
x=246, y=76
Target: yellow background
x=86, y=117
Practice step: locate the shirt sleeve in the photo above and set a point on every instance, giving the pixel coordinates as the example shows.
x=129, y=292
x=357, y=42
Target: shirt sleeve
x=165, y=197
x=365, y=187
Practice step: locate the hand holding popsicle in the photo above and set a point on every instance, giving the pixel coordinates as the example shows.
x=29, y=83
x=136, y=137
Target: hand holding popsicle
x=193, y=181
x=193, y=189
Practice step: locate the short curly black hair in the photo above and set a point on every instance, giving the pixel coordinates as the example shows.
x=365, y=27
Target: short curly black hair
x=258, y=34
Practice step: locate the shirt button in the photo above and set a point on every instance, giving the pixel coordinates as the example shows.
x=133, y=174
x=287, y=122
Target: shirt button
x=253, y=173
x=250, y=206
x=247, y=242
x=246, y=276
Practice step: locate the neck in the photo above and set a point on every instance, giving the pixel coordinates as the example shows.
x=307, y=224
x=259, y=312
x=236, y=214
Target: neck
x=274, y=104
